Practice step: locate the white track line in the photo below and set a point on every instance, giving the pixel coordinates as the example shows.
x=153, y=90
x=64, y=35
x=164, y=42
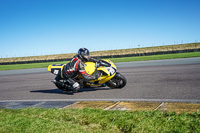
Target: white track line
x=142, y=100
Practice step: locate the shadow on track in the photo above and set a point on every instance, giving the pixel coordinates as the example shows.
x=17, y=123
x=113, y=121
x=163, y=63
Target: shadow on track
x=92, y=89
x=58, y=91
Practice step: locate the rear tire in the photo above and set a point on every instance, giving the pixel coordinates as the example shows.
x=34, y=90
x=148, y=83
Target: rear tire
x=60, y=84
x=118, y=81
x=60, y=87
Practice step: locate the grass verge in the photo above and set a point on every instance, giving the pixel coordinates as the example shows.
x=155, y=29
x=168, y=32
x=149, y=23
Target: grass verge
x=167, y=48
x=29, y=65
x=123, y=59
x=37, y=120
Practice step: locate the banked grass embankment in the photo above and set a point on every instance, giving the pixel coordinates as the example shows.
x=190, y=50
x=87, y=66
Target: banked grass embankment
x=122, y=59
x=190, y=47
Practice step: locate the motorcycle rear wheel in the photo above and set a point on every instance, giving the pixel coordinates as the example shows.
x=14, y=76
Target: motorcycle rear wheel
x=60, y=85
x=118, y=81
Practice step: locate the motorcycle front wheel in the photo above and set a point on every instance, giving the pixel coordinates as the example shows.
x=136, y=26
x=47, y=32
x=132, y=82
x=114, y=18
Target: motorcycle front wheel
x=118, y=81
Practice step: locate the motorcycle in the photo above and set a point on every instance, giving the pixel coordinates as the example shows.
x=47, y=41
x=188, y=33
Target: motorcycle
x=105, y=69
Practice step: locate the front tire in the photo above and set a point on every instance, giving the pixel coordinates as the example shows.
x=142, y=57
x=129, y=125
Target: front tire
x=118, y=81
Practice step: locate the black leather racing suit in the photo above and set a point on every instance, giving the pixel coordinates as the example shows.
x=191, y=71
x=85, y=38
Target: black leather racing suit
x=76, y=67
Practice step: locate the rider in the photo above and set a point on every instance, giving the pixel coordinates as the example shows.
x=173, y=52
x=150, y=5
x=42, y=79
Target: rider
x=76, y=67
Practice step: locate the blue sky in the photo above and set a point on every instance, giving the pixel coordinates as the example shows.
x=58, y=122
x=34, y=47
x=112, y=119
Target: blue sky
x=43, y=27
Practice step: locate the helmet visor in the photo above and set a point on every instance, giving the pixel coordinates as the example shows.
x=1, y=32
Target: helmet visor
x=86, y=57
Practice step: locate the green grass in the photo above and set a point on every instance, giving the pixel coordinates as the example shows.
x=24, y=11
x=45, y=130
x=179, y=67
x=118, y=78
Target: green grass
x=157, y=57
x=123, y=59
x=87, y=120
x=29, y=65
x=166, y=48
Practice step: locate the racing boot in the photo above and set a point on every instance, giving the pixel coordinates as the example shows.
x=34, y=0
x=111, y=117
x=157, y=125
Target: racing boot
x=75, y=87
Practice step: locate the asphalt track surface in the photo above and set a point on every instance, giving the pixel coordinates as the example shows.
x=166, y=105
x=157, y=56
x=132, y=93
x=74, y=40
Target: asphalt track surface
x=161, y=80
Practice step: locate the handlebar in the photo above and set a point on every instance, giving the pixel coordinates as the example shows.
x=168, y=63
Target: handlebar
x=102, y=63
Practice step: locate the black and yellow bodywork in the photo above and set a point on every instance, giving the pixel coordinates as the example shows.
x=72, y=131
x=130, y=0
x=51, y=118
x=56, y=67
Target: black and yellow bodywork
x=56, y=69
x=106, y=70
x=106, y=73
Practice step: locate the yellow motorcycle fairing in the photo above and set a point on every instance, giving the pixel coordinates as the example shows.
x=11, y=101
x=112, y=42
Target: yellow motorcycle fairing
x=107, y=73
